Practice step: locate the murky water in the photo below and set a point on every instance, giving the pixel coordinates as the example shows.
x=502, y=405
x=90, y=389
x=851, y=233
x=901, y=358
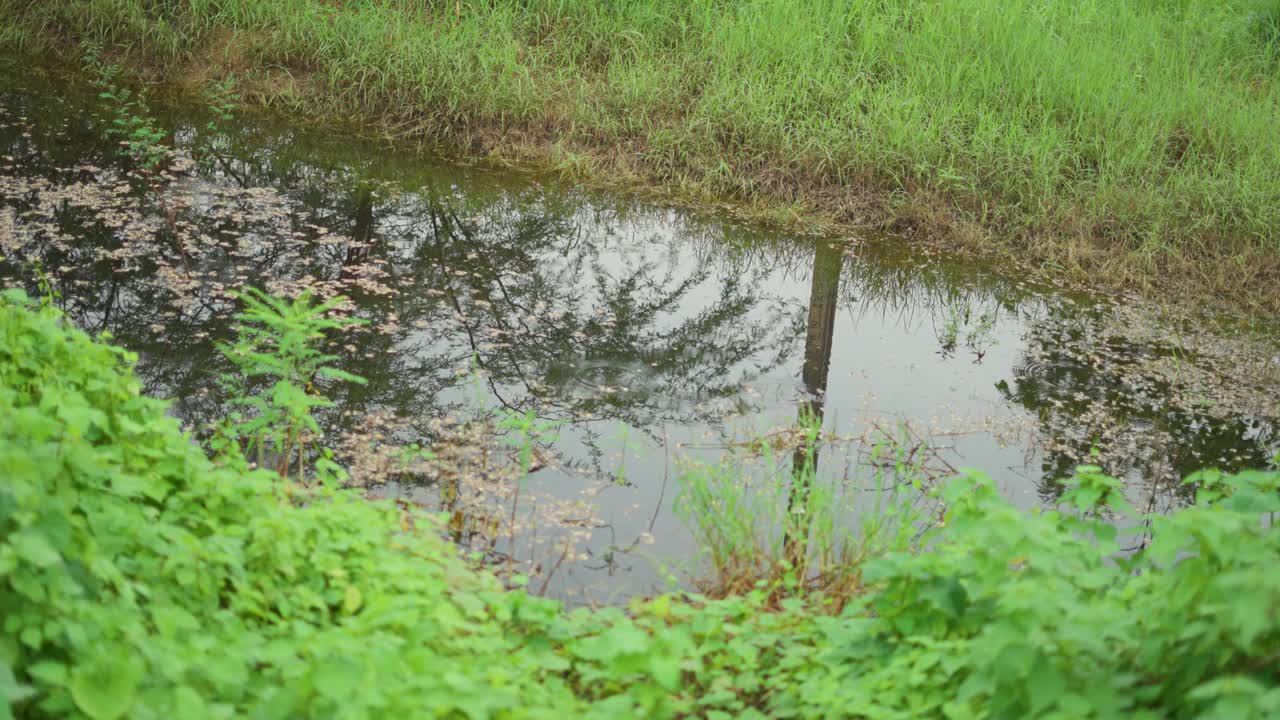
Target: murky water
x=630, y=336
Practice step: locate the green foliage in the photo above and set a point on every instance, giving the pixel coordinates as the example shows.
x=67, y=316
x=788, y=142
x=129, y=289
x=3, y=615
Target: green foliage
x=221, y=98
x=765, y=517
x=1264, y=23
x=527, y=432
x=977, y=330
x=276, y=344
x=140, y=579
x=129, y=119
x=1034, y=615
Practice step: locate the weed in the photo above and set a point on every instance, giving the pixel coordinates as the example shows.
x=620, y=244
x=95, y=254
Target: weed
x=275, y=344
x=221, y=99
x=129, y=119
x=950, y=333
x=977, y=332
x=768, y=516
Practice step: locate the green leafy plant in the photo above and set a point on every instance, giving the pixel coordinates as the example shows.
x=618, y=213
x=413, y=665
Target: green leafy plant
x=141, y=579
x=961, y=322
x=221, y=99
x=950, y=333
x=279, y=366
x=1091, y=491
x=129, y=121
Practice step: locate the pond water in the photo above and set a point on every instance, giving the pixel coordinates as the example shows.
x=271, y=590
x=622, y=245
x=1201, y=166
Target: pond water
x=634, y=338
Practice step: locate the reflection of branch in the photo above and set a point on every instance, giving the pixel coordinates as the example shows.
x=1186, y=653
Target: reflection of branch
x=918, y=452
x=1146, y=523
x=547, y=580
x=227, y=167
x=930, y=463
x=666, y=472
x=109, y=304
x=497, y=276
x=457, y=307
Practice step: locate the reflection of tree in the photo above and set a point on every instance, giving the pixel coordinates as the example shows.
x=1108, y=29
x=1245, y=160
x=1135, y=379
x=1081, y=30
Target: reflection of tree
x=586, y=331
x=1093, y=403
x=1084, y=380
x=824, y=289
x=557, y=312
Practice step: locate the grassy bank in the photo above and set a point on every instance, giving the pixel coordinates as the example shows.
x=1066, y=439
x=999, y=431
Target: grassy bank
x=142, y=576
x=1131, y=143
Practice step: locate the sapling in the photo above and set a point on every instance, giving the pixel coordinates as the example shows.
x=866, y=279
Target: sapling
x=276, y=342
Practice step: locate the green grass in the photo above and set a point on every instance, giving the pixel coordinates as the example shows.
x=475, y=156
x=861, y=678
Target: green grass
x=141, y=578
x=1075, y=132
x=763, y=514
x=1126, y=138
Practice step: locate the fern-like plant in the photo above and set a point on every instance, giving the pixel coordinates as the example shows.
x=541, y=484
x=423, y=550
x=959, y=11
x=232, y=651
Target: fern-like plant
x=277, y=344
x=130, y=122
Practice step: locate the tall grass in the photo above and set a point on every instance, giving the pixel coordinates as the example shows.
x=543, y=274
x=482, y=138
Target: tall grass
x=770, y=514
x=1077, y=131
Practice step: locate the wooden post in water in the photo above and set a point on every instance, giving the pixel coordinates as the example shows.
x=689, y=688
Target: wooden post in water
x=823, y=293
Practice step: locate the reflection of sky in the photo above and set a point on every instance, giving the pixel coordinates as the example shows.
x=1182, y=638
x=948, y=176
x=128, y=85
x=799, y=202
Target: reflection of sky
x=884, y=365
